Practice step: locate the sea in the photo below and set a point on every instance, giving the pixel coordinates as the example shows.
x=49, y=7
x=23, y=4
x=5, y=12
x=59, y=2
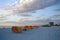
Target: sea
x=41, y=33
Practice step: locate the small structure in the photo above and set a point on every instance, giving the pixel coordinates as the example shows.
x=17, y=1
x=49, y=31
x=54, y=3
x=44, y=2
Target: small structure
x=51, y=23
x=14, y=29
x=31, y=27
x=36, y=26
x=17, y=29
x=26, y=28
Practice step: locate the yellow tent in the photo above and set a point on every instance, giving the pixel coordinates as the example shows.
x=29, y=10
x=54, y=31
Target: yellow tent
x=19, y=30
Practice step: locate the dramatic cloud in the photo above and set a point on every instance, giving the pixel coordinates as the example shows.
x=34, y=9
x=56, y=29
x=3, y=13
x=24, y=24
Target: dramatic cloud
x=22, y=9
x=30, y=5
x=57, y=9
x=27, y=6
x=30, y=21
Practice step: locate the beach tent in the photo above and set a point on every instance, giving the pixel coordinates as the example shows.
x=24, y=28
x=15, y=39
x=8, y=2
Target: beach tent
x=19, y=30
x=26, y=27
x=31, y=27
x=36, y=26
x=16, y=29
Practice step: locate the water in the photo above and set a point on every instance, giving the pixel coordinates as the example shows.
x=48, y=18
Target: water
x=42, y=33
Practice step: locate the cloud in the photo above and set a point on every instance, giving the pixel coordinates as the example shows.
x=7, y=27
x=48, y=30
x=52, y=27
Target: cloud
x=23, y=21
x=30, y=5
x=26, y=6
x=2, y=18
x=21, y=8
x=57, y=10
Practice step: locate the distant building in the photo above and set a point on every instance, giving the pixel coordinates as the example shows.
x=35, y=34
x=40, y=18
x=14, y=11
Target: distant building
x=51, y=23
x=46, y=25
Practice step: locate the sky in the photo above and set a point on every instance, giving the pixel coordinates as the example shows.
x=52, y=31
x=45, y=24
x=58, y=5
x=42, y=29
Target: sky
x=29, y=12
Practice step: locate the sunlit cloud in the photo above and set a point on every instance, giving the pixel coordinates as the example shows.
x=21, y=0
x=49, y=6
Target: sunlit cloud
x=30, y=5
x=26, y=6
x=19, y=13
